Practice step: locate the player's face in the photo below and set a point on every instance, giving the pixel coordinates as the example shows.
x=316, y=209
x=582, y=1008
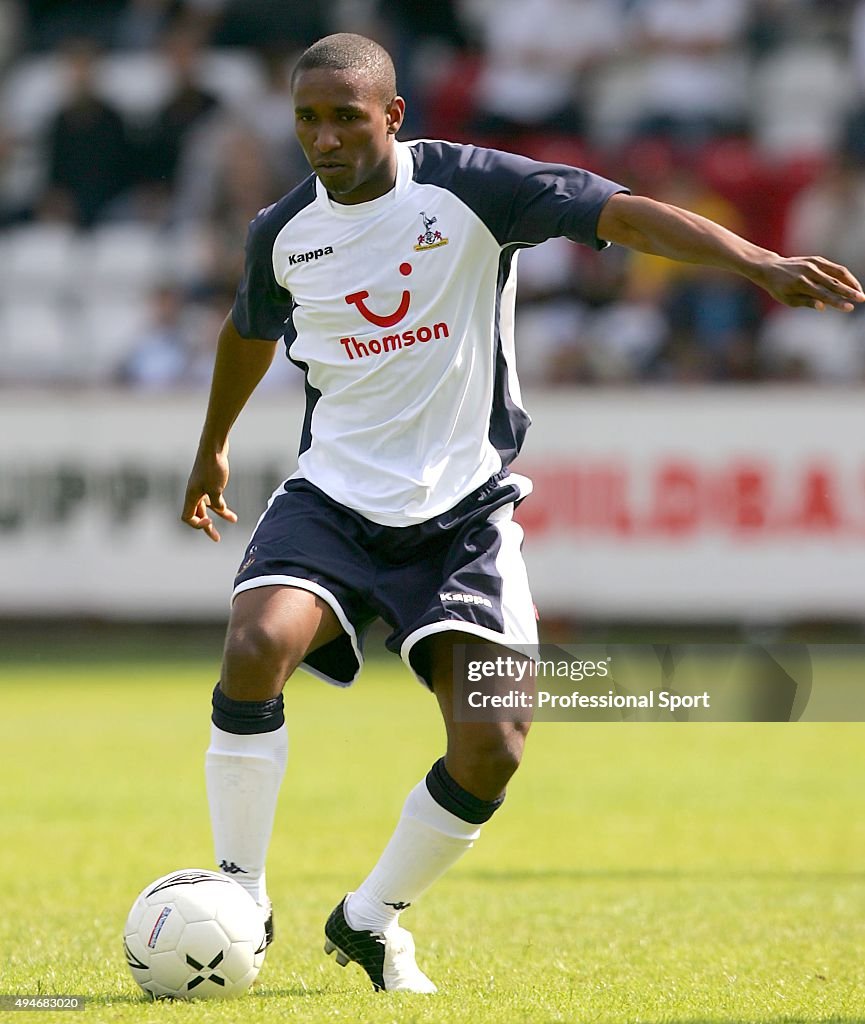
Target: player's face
x=346, y=130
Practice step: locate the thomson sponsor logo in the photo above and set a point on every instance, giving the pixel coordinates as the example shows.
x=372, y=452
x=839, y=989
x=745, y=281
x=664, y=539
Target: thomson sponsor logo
x=355, y=349
x=467, y=599
x=309, y=257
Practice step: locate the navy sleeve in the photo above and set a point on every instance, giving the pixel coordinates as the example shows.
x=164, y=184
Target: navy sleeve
x=261, y=305
x=520, y=200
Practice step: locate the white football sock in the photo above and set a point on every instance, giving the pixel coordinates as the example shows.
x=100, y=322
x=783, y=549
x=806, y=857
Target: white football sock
x=428, y=839
x=244, y=774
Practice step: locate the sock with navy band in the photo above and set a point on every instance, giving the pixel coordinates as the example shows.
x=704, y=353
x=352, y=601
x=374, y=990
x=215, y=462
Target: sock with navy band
x=445, y=790
x=244, y=766
x=440, y=822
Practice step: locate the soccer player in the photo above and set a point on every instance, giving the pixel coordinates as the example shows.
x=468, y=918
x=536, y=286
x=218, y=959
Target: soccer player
x=390, y=275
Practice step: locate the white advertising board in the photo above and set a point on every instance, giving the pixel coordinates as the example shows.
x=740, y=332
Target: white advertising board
x=745, y=504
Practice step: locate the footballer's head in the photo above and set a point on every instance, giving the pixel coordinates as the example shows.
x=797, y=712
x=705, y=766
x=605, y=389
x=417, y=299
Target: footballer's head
x=347, y=113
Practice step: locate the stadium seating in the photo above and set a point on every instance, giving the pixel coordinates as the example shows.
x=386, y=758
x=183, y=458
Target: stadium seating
x=40, y=259
x=36, y=344
x=799, y=98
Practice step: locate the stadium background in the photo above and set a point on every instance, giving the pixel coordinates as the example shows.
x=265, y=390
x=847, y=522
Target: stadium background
x=699, y=458
x=699, y=453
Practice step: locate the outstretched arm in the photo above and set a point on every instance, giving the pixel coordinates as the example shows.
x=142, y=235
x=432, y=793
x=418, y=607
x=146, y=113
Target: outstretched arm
x=663, y=230
x=240, y=365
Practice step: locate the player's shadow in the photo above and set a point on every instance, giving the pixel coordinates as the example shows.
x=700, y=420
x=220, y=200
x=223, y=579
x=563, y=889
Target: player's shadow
x=291, y=991
x=258, y=992
x=653, y=875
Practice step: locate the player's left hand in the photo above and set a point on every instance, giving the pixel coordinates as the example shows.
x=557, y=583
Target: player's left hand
x=811, y=281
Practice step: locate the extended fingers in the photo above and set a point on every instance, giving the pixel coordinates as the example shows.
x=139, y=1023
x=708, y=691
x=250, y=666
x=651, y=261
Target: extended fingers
x=831, y=284
x=842, y=274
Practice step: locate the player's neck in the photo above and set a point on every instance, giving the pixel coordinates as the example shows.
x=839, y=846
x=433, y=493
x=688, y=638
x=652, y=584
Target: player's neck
x=382, y=181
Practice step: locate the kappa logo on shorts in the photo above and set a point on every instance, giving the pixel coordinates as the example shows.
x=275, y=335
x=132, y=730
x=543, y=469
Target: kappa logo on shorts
x=458, y=598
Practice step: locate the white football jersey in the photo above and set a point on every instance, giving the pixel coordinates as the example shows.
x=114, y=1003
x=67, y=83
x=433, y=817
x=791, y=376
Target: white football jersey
x=400, y=313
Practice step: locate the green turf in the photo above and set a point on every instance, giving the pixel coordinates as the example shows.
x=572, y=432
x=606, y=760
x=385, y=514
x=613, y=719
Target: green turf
x=638, y=872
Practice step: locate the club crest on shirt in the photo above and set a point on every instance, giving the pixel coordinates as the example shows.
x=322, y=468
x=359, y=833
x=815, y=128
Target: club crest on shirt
x=429, y=238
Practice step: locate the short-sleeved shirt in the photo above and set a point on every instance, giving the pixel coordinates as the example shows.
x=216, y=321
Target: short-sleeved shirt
x=400, y=313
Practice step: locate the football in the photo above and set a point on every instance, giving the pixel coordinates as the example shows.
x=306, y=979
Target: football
x=194, y=935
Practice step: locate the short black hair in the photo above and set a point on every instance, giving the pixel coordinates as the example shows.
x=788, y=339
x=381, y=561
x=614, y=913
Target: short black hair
x=346, y=51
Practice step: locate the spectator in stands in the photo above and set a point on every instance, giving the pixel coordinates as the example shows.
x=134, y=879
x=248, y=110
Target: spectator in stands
x=420, y=21
x=259, y=23
x=225, y=179
x=206, y=318
x=712, y=314
x=801, y=345
x=695, y=77
x=271, y=117
x=625, y=336
x=856, y=120
x=142, y=23
x=51, y=23
x=682, y=187
x=717, y=315
x=215, y=171
x=14, y=206
x=187, y=107
x=534, y=52
x=89, y=156
x=829, y=214
x=424, y=39
x=161, y=356
x=773, y=23
x=551, y=314
x=10, y=30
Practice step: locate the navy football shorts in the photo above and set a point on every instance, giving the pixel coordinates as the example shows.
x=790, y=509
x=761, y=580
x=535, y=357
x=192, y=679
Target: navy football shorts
x=462, y=570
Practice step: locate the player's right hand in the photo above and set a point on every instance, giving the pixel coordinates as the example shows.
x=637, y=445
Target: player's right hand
x=811, y=281
x=204, y=494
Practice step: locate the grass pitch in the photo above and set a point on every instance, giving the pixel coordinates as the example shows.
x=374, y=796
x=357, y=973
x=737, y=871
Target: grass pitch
x=638, y=872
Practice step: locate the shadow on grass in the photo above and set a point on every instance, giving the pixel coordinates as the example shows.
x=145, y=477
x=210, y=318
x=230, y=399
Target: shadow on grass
x=258, y=993
x=294, y=990
x=297, y=991
x=654, y=875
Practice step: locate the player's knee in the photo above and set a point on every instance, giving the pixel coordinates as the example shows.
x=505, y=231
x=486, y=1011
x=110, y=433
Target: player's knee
x=492, y=757
x=505, y=758
x=257, y=660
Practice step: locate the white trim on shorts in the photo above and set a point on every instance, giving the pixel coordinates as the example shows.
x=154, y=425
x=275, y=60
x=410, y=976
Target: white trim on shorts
x=314, y=588
x=518, y=609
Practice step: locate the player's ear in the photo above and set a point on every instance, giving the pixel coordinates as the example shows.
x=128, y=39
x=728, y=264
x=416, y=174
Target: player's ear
x=395, y=112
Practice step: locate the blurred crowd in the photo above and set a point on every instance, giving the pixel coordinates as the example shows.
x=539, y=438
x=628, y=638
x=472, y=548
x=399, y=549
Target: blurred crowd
x=139, y=137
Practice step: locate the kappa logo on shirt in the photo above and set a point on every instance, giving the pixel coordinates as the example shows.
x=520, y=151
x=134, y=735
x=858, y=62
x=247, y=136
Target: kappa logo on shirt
x=308, y=257
x=429, y=239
